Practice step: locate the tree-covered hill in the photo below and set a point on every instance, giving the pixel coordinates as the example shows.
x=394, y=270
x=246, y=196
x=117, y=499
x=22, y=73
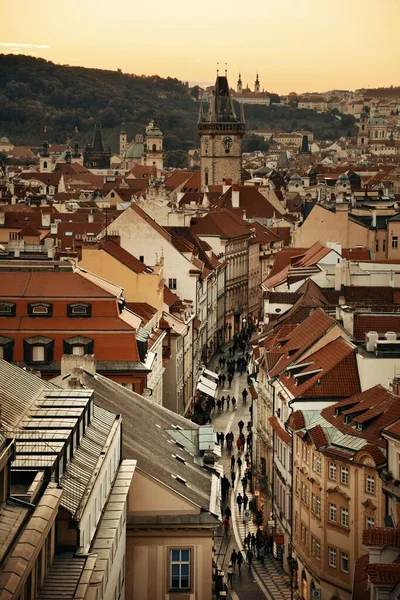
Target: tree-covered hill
x=38, y=95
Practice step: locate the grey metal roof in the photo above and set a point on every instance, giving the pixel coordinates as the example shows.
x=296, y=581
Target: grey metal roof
x=150, y=434
x=81, y=467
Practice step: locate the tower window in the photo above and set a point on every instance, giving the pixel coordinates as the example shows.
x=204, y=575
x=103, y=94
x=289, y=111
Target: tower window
x=206, y=177
x=45, y=164
x=154, y=148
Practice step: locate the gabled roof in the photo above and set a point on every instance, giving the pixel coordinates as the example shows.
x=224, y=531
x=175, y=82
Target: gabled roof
x=125, y=258
x=374, y=409
x=222, y=223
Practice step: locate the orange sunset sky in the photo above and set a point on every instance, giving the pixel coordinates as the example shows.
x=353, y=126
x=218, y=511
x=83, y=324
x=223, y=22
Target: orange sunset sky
x=296, y=45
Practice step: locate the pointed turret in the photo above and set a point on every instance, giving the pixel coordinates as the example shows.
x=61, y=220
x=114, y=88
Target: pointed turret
x=221, y=105
x=123, y=130
x=257, y=84
x=201, y=116
x=239, y=87
x=97, y=140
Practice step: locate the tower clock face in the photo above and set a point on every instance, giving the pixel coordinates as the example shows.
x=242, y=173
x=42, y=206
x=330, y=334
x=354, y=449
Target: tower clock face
x=227, y=142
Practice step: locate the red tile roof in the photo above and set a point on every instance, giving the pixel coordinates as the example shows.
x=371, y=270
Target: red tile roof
x=377, y=322
x=382, y=537
x=282, y=433
x=384, y=574
x=222, y=223
x=18, y=284
x=124, y=257
x=382, y=406
x=356, y=253
x=170, y=297
x=144, y=310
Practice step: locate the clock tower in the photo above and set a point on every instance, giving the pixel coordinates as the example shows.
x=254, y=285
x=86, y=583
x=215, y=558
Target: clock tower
x=221, y=133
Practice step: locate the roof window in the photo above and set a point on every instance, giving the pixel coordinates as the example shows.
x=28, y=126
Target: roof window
x=40, y=309
x=7, y=309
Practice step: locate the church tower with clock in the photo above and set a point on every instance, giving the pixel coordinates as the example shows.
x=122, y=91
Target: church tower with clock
x=221, y=133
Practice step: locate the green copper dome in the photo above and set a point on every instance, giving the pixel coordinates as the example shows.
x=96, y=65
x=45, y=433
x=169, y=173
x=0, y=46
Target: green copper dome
x=135, y=150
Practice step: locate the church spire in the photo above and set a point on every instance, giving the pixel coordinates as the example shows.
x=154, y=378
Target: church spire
x=221, y=105
x=97, y=140
x=257, y=84
x=201, y=115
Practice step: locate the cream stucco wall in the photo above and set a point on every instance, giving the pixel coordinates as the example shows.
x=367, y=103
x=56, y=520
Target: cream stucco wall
x=138, y=287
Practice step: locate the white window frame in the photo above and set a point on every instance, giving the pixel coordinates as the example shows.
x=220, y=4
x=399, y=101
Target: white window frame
x=344, y=517
x=332, y=560
x=38, y=353
x=344, y=475
x=344, y=557
x=332, y=512
x=180, y=563
x=78, y=350
x=369, y=522
x=172, y=283
x=332, y=471
x=370, y=484
x=317, y=464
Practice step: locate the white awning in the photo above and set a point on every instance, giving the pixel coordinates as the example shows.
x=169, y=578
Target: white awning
x=207, y=382
x=207, y=390
x=210, y=374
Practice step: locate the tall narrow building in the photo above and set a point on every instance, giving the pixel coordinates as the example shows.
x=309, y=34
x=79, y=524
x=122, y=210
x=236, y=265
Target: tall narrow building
x=221, y=133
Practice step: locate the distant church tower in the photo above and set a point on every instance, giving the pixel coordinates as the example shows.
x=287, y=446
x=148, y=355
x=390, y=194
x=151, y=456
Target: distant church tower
x=362, y=135
x=94, y=156
x=123, y=140
x=257, y=85
x=45, y=163
x=221, y=135
x=153, y=155
x=239, y=87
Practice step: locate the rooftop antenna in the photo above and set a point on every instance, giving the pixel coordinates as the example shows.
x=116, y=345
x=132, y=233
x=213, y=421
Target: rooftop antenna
x=226, y=69
x=217, y=69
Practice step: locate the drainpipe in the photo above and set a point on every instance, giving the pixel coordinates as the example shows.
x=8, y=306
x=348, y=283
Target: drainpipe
x=291, y=513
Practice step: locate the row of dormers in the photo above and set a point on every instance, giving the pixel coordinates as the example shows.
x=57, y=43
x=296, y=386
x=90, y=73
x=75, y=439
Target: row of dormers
x=45, y=309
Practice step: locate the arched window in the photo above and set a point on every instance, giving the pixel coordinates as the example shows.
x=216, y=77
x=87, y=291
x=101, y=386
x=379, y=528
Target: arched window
x=45, y=164
x=206, y=177
x=154, y=148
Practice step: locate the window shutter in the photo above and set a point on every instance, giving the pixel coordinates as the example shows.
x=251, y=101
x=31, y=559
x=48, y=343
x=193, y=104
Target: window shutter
x=49, y=351
x=67, y=348
x=89, y=347
x=8, y=350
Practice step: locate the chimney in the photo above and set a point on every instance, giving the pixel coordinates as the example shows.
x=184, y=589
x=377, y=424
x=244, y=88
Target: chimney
x=396, y=385
x=71, y=362
x=46, y=219
x=235, y=199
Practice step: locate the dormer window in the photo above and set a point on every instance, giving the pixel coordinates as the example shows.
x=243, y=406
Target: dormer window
x=40, y=309
x=7, y=309
x=6, y=348
x=38, y=349
x=78, y=345
x=79, y=310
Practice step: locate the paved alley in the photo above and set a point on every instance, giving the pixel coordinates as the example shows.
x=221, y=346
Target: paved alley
x=261, y=581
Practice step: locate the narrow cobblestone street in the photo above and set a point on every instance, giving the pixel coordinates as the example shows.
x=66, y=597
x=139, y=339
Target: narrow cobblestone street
x=261, y=581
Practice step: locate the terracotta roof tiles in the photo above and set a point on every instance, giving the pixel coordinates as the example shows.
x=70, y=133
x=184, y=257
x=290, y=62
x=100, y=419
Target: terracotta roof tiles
x=382, y=537
x=384, y=574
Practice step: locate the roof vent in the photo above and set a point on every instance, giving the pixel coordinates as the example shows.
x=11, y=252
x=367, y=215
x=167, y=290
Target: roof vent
x=370, y=340
x=180, y=458
x=180, y=479
x=390, y=336
x=179, y=444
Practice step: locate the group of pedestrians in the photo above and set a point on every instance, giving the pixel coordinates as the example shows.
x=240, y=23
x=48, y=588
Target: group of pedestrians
x=221, y=402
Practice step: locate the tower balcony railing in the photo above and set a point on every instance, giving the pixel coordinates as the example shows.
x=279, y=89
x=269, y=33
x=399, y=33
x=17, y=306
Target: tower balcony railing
x=228, y=126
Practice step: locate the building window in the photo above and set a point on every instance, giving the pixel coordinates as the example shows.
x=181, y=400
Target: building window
x=332, y=471
x=317, y=464
x=383, y=245
x=395, y=242
x=141, y=258
x=37, y=353
x=40, y=310
x=7, y=309
x=344, y=475
x=38, y=349
x=377, y=245
x=332, y=557
x=344, y=517
x=332, y=513
x=369, y=522
x=344, y=562
x=6, y=348
x=316, y=547
x=78, y=345
x=180, y=569
x=79, y=310
x=370, y=484
x=172, y=284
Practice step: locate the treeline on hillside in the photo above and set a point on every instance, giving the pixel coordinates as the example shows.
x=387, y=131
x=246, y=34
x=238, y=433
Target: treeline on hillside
x=38, y=95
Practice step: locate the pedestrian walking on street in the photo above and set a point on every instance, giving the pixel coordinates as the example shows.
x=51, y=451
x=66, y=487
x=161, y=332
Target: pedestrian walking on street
x=234, y=558
x=253, y=542
x=247, y=540
x=240, y=425
x=233, y=460
x=239, y=463
x=228, y=512
x=233, y=402
x=245, y=500
x=227, y=402
x=222, y=402
x=222, y=438
x=223, y=377
x=226, y=523
x=230, y=377
x=230, y=573
x=239, y=560
x=244, y=483
x=218, y=438
x=219, y=404
x=233, y=477
x=239, y=502
x=245, y=393
x=220, y=380
x=249, y=557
